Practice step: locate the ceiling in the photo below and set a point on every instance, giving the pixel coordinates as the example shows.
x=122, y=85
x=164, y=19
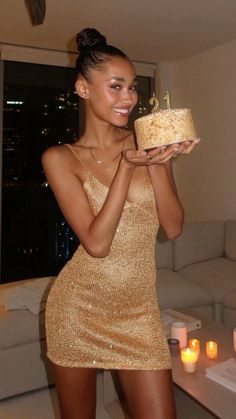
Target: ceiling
x=149, y=31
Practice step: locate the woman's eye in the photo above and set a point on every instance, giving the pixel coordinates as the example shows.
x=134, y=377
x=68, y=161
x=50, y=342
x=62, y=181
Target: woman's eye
x=116, y=86
x=134, y=87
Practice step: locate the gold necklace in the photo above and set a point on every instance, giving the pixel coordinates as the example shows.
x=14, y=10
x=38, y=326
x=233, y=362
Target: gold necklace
x=102, y=161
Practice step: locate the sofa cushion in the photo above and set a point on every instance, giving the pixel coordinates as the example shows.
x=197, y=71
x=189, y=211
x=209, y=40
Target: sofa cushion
x=164, y=254
x=20, y=326
x=24, y=368
x=28, y=294
x=229, y=299
x=230, y=239
x=21, y=314
x=218, y=276
x=199, y=241
x=229, y=316
x=175, y=291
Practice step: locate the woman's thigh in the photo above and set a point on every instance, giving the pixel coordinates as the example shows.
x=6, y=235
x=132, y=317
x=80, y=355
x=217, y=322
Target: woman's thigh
x=76, y=391
x=149, y=394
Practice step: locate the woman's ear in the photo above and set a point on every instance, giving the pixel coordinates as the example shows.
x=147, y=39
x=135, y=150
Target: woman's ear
x=81, y=87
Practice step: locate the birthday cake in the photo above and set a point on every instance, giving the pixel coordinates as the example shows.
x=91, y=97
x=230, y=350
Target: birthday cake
x=164, y=127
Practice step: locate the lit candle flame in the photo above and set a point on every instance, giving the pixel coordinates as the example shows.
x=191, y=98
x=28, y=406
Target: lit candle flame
x=189, y=359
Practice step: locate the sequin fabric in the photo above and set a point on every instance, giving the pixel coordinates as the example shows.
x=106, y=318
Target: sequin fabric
x=103, y=312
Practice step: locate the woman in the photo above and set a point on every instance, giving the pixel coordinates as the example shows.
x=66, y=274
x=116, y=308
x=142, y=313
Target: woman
x=102, y=310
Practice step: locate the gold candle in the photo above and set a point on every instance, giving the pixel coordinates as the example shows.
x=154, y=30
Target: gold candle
x=211, y=349
x=167, y=98
x=189, y=359
x=154, y=102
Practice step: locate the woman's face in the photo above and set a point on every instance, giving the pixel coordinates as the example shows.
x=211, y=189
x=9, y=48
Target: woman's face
x=112, y=92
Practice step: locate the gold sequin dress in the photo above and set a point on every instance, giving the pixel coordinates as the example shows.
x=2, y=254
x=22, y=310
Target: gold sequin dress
x=103, y=312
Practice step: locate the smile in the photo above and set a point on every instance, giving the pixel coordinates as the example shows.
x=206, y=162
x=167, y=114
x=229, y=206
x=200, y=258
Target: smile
x=121, y=111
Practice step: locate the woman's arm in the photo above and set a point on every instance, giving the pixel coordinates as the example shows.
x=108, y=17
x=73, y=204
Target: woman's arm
x=95, y=232
x=170, y=211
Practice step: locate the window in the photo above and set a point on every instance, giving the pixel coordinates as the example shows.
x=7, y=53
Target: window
x=40, y=109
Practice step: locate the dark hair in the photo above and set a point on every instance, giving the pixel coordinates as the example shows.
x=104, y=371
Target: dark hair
x=93, y=51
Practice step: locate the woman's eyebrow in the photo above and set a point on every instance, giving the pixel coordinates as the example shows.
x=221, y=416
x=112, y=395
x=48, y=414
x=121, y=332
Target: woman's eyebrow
x=117, y=78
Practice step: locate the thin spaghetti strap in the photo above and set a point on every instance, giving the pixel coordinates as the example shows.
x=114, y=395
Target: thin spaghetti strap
x=77, y=156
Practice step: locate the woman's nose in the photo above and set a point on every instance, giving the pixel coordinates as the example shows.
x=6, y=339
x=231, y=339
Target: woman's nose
x=127, y=96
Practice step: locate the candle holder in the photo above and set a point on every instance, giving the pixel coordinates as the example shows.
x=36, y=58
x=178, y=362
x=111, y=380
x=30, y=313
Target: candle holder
x=211, y=349
x=174, y=346
x=189, y=359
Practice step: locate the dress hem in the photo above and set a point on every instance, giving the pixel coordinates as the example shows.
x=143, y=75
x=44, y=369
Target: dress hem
x=101, y=365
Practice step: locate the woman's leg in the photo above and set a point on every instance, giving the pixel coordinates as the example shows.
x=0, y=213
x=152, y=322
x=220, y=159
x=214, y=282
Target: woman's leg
x=76, y=391
x=149, y=394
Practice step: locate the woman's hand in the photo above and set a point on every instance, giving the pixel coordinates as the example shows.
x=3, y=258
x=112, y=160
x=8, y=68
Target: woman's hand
x=188, y=146
x=133, y=158
x=161, y=155
x=157, y=155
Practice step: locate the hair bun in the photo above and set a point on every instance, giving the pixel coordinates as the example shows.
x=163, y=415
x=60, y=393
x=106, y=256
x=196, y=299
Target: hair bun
x=89, y=38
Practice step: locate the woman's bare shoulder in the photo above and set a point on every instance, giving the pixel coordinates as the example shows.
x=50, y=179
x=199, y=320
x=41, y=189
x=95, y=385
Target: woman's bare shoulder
x=63, y=161
x=54, y=153
x=60, y=154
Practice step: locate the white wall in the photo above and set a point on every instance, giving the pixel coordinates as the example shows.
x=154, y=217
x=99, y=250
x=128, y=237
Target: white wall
x=207, y=83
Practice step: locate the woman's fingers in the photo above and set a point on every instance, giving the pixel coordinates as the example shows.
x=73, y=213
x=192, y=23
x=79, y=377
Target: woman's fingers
x=156, y=151
x=190, y=145
x=165, y=154
x=136, y=157
x=158, y=155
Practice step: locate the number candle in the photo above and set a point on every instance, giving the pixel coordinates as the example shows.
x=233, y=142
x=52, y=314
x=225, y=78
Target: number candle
x=167, y=98
x=153, y=101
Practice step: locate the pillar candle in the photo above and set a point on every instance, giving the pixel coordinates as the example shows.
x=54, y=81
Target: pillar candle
x=189, y=359
x=178, y=330
x=211, y=349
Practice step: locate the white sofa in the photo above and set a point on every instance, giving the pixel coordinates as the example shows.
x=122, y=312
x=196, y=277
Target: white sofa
x=197, y=270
